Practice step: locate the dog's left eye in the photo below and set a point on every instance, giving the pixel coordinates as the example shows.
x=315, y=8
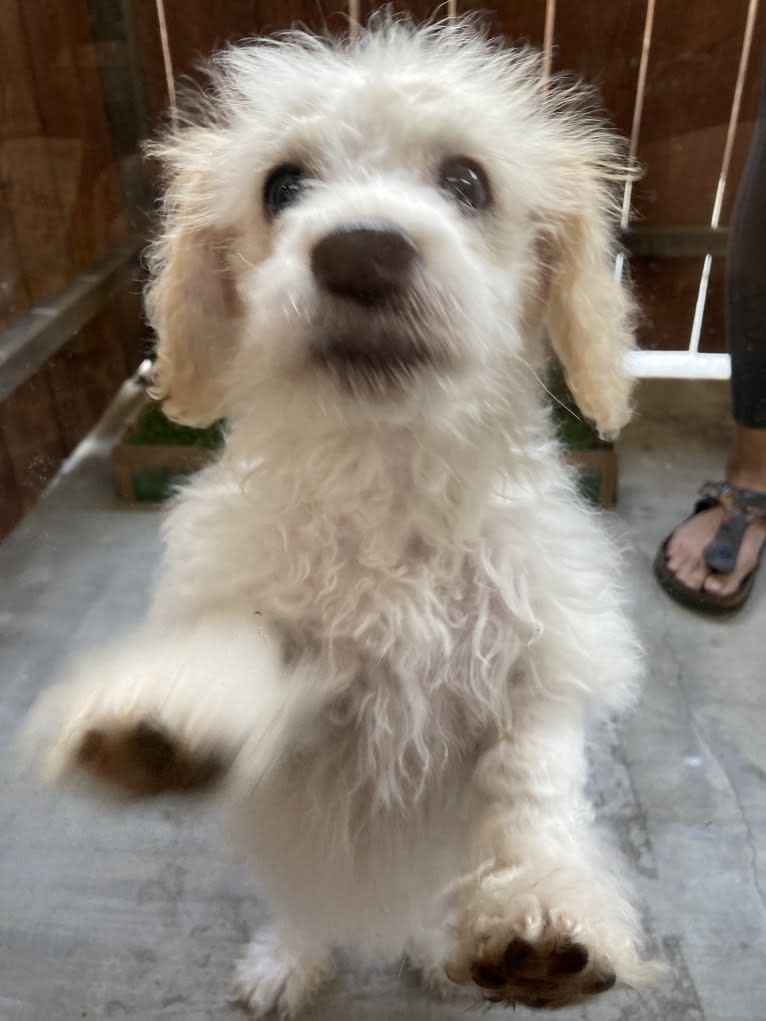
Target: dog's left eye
x=466, y=181
x=282, y=188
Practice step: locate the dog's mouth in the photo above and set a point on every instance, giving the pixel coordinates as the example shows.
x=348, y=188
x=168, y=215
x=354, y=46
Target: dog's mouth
x=387, y=362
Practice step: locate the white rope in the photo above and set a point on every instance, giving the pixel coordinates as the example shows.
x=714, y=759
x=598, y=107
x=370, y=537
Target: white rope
x=167, y=61
x=635, y=128
x=550, y=20
x=715, y=217
x=353, y=19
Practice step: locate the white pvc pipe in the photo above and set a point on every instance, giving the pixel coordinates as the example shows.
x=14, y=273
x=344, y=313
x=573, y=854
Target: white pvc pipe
x=678, y=365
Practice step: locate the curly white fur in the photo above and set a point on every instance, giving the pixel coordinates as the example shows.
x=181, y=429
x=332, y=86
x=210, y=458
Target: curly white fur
x=387, y=604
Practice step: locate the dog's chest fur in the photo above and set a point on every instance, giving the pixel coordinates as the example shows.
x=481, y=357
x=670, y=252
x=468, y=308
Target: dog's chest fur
x=407, y=628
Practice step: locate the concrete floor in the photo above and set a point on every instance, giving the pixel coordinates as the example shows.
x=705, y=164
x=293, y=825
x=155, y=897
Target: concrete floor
x=108, y=913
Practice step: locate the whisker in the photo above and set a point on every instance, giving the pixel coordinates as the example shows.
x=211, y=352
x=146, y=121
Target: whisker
x=246, y=261
x=550, y=393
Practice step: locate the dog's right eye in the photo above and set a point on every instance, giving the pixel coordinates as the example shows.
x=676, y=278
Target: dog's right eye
x=466, y=181
x=282, y=188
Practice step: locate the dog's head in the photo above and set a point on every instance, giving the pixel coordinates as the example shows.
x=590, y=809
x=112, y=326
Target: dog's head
x=383, y=225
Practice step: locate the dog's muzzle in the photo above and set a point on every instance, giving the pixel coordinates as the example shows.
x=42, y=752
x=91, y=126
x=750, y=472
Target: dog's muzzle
x=368, y=262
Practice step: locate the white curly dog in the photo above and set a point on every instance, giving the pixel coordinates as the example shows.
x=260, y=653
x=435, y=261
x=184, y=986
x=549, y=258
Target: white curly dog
x=384, y=614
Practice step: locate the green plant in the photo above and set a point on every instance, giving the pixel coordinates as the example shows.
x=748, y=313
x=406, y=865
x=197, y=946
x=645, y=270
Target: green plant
x=574, y=430
x=154, y=429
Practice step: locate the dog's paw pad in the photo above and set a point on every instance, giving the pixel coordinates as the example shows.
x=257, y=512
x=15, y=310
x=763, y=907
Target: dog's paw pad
x=569, y=959
x=142, y=759
x=555, y=970
x=523, y=960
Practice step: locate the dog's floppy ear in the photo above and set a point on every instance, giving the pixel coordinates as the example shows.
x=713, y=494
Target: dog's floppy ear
x=193, y=306
x=589, y=312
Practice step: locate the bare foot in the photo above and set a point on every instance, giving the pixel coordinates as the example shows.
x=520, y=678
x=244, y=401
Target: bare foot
x=686, y=546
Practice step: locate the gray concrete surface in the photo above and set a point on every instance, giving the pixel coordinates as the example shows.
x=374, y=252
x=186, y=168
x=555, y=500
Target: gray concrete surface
x=108, y=913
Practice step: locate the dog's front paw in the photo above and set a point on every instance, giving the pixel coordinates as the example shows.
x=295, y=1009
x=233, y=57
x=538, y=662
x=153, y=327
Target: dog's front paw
x=141, y=758
x=537, y=959
x=519, y=946
x=122, y=741
x=274, y=976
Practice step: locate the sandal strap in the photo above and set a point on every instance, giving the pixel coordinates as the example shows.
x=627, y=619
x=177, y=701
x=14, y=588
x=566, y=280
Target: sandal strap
x=731, y=497
x=740, y=507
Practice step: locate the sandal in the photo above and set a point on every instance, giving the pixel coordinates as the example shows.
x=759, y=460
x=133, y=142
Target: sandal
x=741, y=507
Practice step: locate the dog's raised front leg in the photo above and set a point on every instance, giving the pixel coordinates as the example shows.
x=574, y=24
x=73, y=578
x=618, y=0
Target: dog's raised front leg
x=538, y=917
x=170, y=709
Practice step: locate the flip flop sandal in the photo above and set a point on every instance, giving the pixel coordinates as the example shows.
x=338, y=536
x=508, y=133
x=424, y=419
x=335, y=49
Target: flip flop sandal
x=741, y=507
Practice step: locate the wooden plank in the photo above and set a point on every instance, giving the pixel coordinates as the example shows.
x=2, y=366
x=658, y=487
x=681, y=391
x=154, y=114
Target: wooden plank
x=195, y=30
x=51, y=72
x=26, y=345
x=102, y=203
x=30, y=191
x=36, y=245
x=71, y=104
x=14, y=300
x=520, y=22
x=98, y=352
x=601, y=43
x=262, y=16
x=144, y=15
x=60, y=206
x=667, y=294
x=419, y=9
x=30, y=433
x=750, y=97
x=192, y=34
x=690, y=85
x=85, y=375
x=658, y=307
x=135, y=340
x=112, y=25
x=65, y=373
x=11, y=506
x=644, y=241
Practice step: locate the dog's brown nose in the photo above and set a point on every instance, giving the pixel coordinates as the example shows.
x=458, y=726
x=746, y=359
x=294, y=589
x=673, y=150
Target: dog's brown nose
x=364, y=261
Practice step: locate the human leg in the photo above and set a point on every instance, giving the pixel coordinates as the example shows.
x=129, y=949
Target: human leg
x=684, y=553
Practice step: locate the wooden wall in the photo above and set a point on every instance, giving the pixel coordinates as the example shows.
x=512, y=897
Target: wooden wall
x=64, y=200
x=61, y=209
x=692, y=70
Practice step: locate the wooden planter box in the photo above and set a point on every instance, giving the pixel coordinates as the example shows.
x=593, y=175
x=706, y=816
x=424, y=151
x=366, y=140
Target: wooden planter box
x=598, y=473
x=147, y=473
x=595, y=460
